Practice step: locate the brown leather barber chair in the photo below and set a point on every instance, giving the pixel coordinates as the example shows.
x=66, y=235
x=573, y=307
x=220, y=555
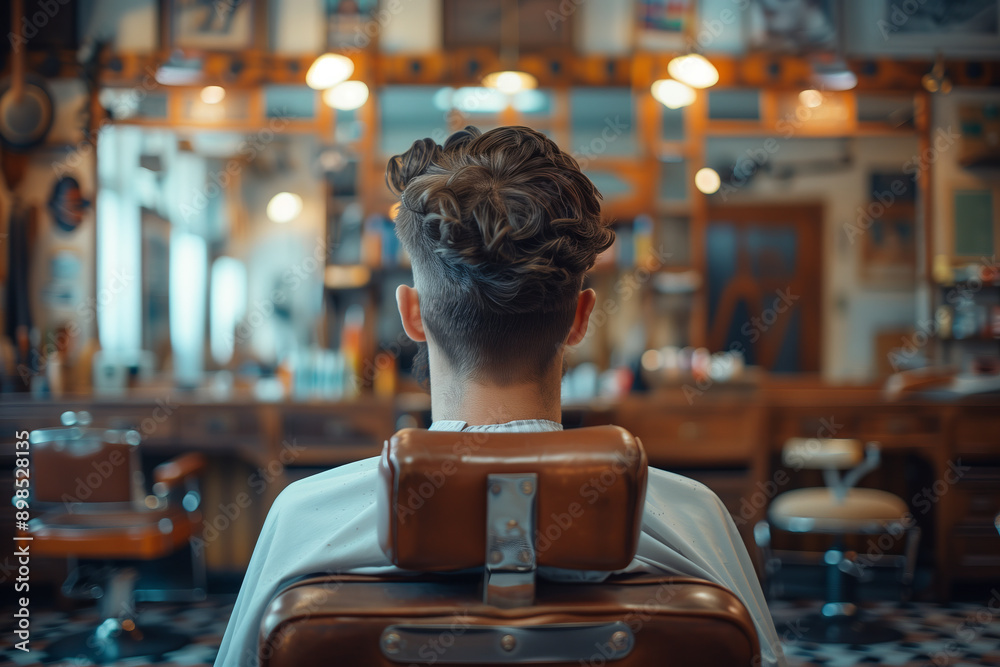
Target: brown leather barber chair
x=89, y=501
x=477, y=515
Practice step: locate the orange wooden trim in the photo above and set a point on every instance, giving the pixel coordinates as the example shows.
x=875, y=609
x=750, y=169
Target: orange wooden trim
x=177, y=469
x=555, y=67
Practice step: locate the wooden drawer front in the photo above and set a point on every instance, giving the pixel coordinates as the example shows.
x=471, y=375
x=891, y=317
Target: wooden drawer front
x=208, y=424
x=976, y=552
x=332, y=435
x=696, y=436
x=329, y=427
x=977, y=495
x=156, y=421
x=916, y=423
x=978, y=432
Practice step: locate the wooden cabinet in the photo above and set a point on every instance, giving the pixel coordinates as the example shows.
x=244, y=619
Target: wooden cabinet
x=729, y=440
x=974, y=544
x=677, y=435
x=334, y=434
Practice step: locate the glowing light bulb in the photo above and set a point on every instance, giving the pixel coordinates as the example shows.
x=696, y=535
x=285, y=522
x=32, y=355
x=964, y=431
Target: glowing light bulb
x=213, y=94
x=672, y=94
x=346, y=96
x=284, y=207
x=693, y=70
x=328, y=70
x=510, y=82
x=707, y=180
x=811, y=98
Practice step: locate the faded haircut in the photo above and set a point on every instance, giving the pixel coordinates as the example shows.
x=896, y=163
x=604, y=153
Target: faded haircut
x=501, y=228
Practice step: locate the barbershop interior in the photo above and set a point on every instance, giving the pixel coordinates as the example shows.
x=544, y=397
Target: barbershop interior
x=779, y=396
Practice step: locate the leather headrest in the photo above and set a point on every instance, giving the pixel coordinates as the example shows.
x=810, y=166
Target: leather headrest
x=589, y=503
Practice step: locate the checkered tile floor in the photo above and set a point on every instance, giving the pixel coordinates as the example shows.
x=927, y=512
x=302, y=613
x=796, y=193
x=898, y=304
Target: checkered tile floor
x=204, y=622
x=956, y=635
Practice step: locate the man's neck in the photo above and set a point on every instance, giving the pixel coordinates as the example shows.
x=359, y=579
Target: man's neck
x=478, y=404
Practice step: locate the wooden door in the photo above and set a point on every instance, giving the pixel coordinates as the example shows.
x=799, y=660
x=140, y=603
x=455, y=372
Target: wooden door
x=764, y=284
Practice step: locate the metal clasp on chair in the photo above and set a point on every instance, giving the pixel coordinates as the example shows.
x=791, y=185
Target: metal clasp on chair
x=510, y=540
x=458, y=643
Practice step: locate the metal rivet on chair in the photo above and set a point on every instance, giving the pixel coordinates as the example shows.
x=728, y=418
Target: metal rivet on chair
x=526, y=487
x=507, y=642
x=495, y=489
x=132, y=438
x=511, y=524
x=495, y=556
x=619, y=640
x=524, y=556
x=391, y=643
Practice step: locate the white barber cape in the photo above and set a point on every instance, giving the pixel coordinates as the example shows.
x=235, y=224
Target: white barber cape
x=327, y=524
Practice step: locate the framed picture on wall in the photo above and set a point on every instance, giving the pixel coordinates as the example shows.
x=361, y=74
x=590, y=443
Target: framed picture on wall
x=794, y=26
x=346, y=23
x=939, y=24
x=974, y=230
x=664, y=24
x=944, y=17
x=980, y=146
x=889, y=248
x=210, y=25
x=542, y=24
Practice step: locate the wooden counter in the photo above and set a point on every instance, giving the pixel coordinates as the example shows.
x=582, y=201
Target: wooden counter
x=943, y=457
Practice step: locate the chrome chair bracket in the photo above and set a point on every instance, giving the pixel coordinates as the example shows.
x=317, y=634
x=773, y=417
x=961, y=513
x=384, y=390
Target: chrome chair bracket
x=509, y=579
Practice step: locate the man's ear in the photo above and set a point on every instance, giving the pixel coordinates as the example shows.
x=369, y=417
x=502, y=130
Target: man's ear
x=408, y=301
x=584, y=306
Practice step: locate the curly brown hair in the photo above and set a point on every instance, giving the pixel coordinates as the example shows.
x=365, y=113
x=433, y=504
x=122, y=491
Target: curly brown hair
x=501, y=227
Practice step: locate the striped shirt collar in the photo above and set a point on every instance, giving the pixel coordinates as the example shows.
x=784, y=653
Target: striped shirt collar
x=516, y=426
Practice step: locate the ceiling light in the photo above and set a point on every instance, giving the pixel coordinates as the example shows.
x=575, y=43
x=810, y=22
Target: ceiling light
x=213, y=94
x=693, y=70
x=346, y=96
x=510, y=81
x=284, y=207
x=707, y=180
x=811, y=98
x=328, y=70
x=672, y=94
x=835, y=75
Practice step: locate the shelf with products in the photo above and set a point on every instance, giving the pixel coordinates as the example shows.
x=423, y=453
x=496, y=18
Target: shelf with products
x=966, y=322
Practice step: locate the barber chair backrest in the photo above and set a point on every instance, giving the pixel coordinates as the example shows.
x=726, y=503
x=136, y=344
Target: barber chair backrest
x=588, y=498
x=508, y=503
x=76, y=464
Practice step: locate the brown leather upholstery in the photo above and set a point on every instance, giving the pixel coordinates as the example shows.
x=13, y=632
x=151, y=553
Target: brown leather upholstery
x=432, y=496
x=81, y=469
x=137, y=535
x=338, y=620
x=90, y=471
x=432, y=512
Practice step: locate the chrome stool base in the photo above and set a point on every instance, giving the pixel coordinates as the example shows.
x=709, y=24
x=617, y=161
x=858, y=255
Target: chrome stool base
x=142, y=641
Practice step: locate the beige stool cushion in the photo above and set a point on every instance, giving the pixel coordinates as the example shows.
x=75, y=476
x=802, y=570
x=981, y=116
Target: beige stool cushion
x=815, y=510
